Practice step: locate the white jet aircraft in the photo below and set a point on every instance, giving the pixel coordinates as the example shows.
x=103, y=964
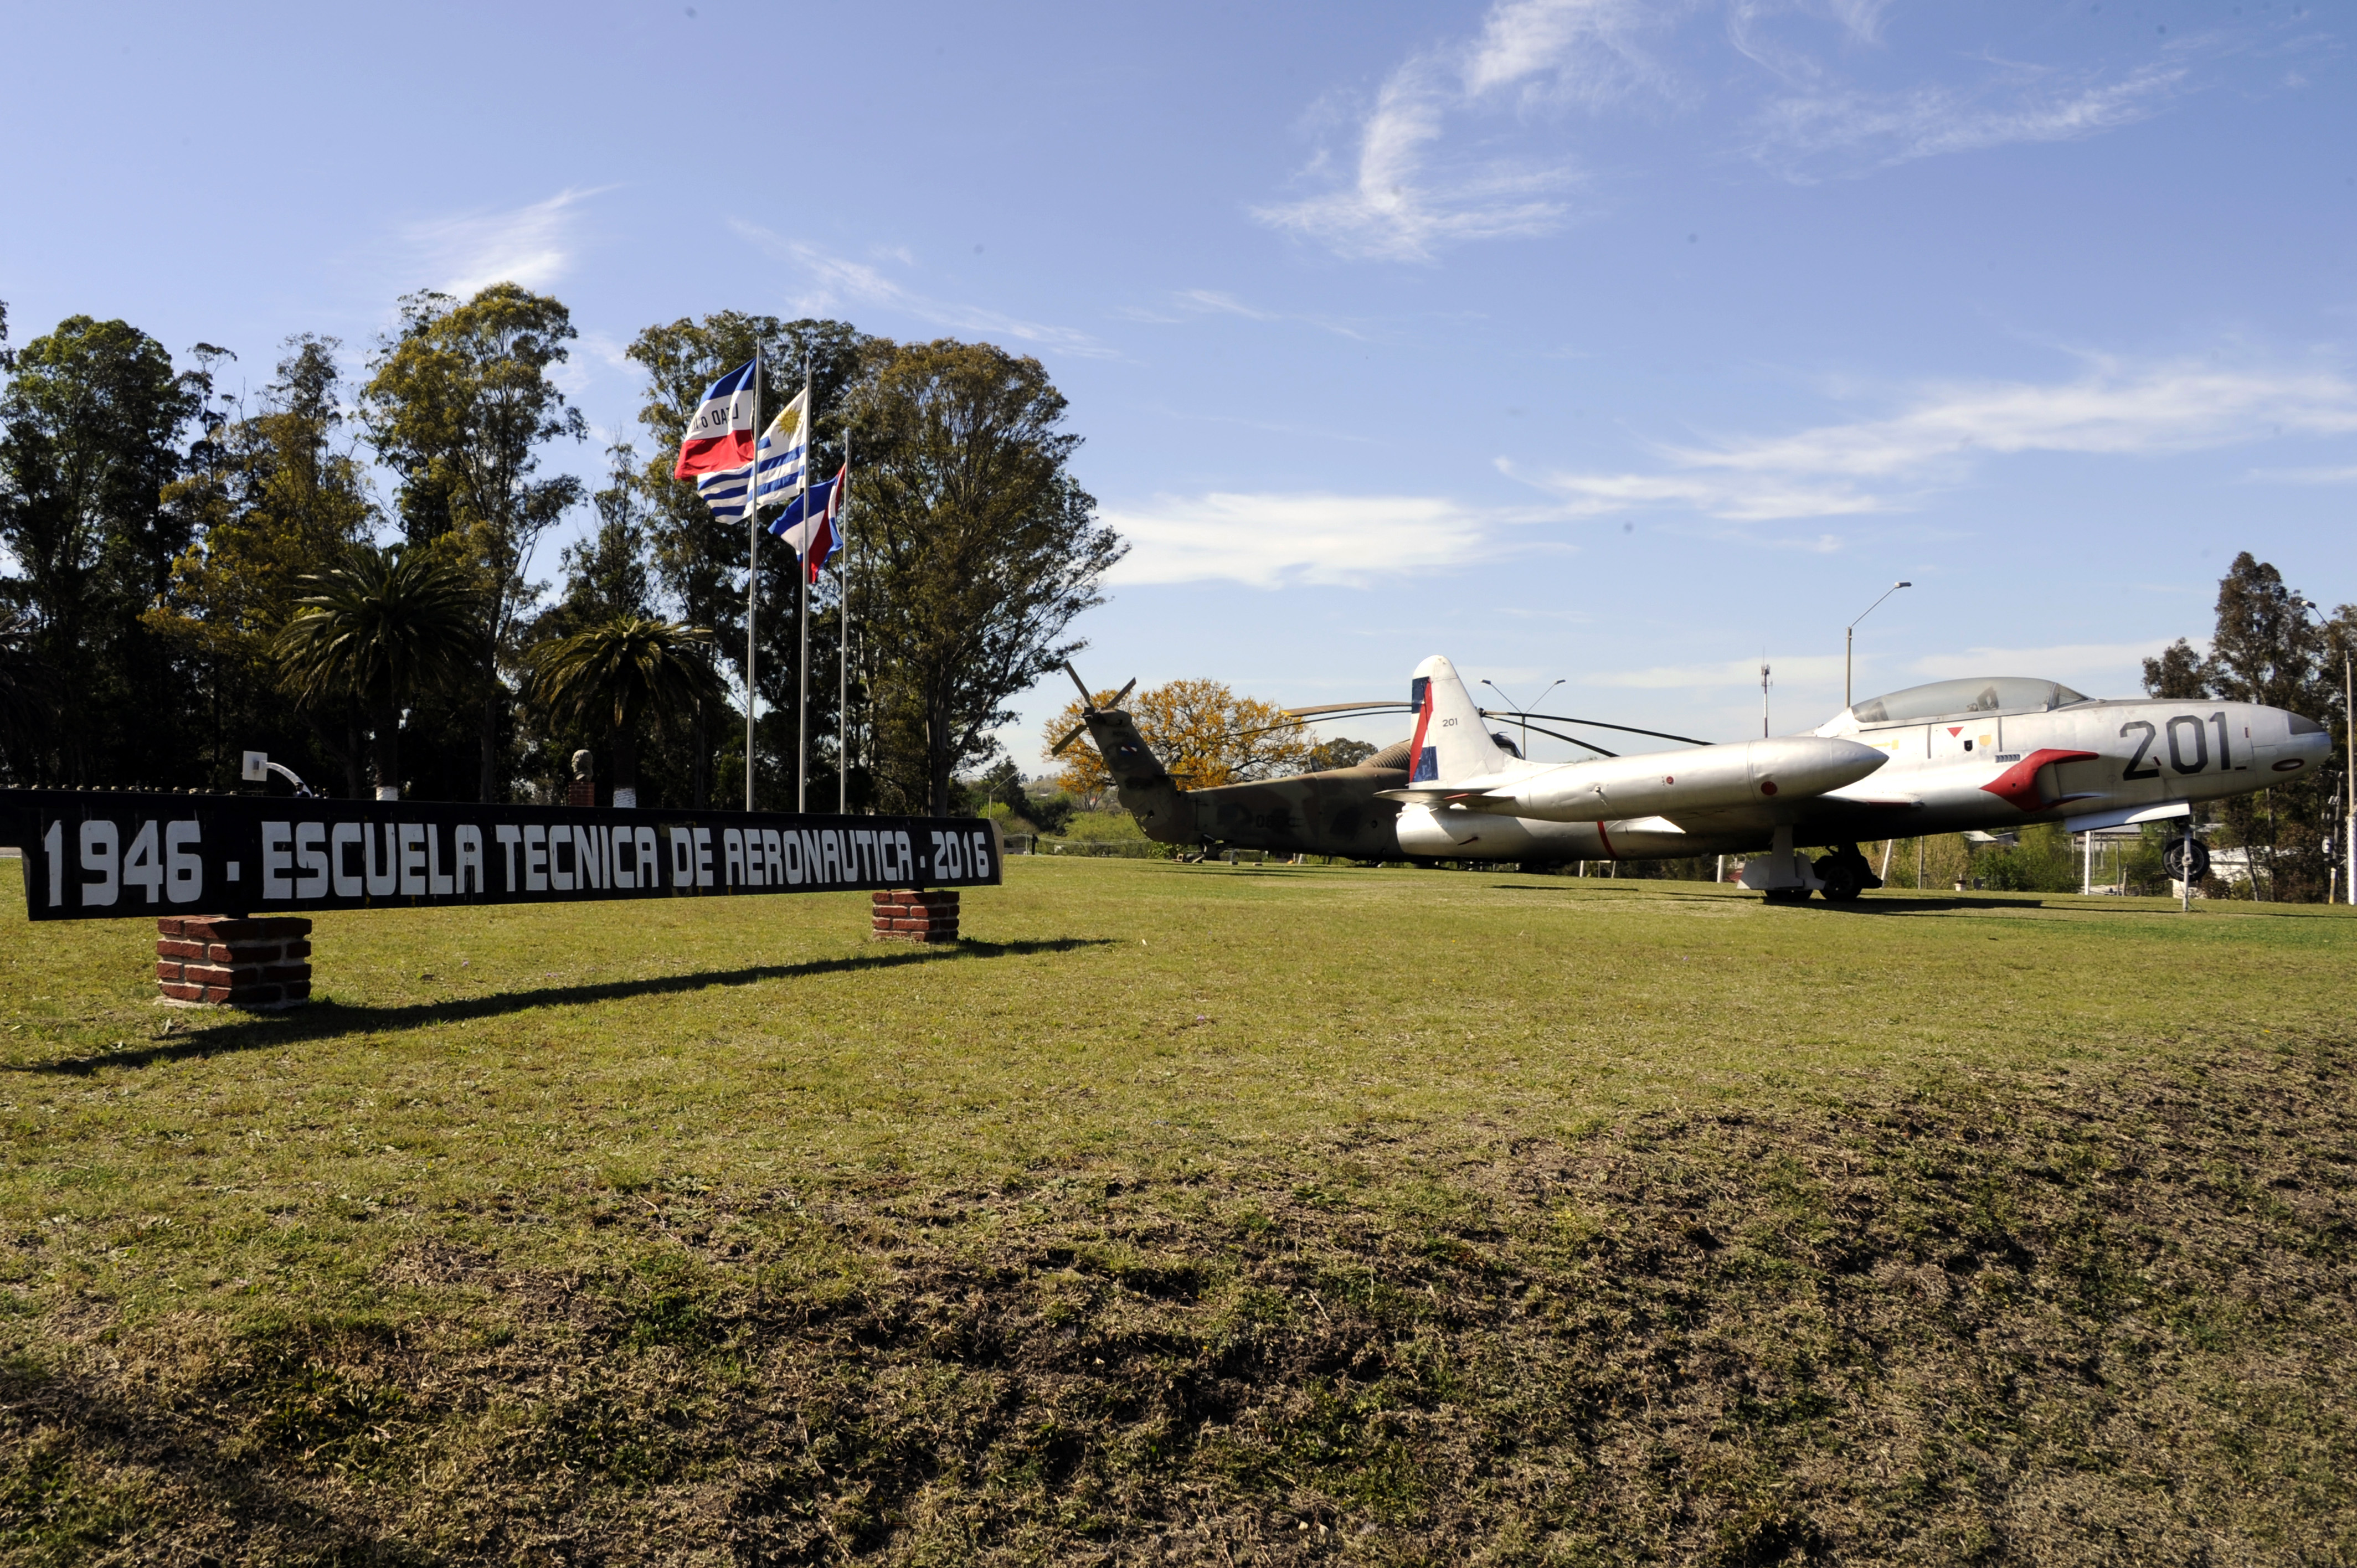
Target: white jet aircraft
x=1986, y=753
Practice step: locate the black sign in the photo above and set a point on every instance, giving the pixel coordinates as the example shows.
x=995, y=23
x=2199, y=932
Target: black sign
x=103, y=855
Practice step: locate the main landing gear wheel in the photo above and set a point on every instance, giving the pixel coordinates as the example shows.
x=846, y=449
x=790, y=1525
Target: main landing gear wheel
x=1841, y=883
x=2174, y=856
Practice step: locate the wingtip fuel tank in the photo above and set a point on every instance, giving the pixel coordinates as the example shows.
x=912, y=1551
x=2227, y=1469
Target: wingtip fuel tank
x=1706, y=778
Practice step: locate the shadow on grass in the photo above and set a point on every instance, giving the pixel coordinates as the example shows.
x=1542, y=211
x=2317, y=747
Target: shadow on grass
x=230, y=1485
x=328, y=1020
x=1918, y=906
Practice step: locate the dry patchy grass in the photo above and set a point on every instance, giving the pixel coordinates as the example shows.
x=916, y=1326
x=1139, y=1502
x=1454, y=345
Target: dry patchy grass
x=1197, y=1216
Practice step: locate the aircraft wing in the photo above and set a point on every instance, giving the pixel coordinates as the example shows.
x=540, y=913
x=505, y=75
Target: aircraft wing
x=1472, y=796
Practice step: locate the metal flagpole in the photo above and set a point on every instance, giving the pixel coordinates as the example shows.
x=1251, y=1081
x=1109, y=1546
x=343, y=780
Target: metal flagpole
x=801, y=587
x=752, y=568
x=843, y=646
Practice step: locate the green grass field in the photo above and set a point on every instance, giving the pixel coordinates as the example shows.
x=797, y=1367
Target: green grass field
x=1188, y=1214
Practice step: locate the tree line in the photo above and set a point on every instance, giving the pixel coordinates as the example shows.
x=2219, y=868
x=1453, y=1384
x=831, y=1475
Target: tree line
x=339, y=568
x=2270, y=643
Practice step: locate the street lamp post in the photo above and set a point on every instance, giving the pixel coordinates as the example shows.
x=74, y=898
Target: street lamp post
x=1849, y=635
x=1517, y=708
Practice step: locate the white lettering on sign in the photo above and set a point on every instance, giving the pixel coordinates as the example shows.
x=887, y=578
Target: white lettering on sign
x=184, y=869
x=343, y=841
x=310, y=858
x=468, y=842
x=99, y=854
x=382, y=881
x=277, y=859
x=309, y=863
x=143, y=864
x=413, y=859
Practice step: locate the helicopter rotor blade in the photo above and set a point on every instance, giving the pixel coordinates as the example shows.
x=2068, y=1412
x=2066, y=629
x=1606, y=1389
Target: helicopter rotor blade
x=1558, y=735
x=1071, y=736
x=1518, y=715
x=1086, y=702
x=1380, y=706
x=1125, y=691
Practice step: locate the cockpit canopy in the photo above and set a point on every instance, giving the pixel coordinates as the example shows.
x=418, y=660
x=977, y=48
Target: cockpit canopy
x=1944, y=699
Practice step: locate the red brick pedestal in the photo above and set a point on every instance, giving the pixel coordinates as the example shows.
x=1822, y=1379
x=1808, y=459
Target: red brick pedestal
x=906, y=915
x=234, y=963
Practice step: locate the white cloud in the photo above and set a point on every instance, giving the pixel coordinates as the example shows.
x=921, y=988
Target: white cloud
x=1267, y=541
x=1220, y=304
x=532, y=245
x=1402, y=201
x=1829, y=134
x=1885, y=465
x=1200, y=302
x=1427, y=161
x=2347, y=475
x=836, y=279
x=1740, y=499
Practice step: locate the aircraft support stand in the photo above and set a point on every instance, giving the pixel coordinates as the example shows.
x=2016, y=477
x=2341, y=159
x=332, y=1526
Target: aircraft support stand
x=1782, y=873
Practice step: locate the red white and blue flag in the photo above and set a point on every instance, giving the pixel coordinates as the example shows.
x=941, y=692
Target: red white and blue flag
x=784, y=448
x=720, y=437
x=808, y=523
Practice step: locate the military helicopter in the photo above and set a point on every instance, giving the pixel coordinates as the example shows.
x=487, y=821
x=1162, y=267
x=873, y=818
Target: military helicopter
x=1984, y=753
x=1341, y=811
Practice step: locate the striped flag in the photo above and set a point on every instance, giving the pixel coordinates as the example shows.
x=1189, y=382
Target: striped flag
x=785, y=449
x=785, y=452
x=808, y=521
x=720, y=436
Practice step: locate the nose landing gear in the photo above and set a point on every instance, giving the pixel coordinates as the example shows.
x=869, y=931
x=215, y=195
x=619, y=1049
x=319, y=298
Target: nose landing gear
x=1845, y=873
x=1785, y=878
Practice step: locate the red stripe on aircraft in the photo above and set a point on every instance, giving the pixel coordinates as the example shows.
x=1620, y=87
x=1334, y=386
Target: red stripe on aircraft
x=1423, y=717
x=2017, y=785
x=1609, y=852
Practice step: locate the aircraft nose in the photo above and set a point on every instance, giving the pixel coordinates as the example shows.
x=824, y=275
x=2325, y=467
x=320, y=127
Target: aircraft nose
x=2303, y=737
x=1811, y=764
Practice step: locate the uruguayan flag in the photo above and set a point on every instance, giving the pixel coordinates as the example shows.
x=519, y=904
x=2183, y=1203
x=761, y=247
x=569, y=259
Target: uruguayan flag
x=724, y=493
x=784, y=454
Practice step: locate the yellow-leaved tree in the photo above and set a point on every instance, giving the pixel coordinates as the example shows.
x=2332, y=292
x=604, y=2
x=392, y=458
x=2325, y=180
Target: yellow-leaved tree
x=1205, y=734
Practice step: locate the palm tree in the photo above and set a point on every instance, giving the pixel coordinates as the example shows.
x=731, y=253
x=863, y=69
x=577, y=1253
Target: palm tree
x=382, y=628
x=619, y=670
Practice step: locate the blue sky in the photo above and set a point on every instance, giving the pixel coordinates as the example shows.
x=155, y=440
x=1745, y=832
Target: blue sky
x=1590, y=339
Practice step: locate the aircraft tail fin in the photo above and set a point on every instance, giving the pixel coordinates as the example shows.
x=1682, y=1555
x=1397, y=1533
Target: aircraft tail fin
x=1143, y=786
x=1451, y=743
